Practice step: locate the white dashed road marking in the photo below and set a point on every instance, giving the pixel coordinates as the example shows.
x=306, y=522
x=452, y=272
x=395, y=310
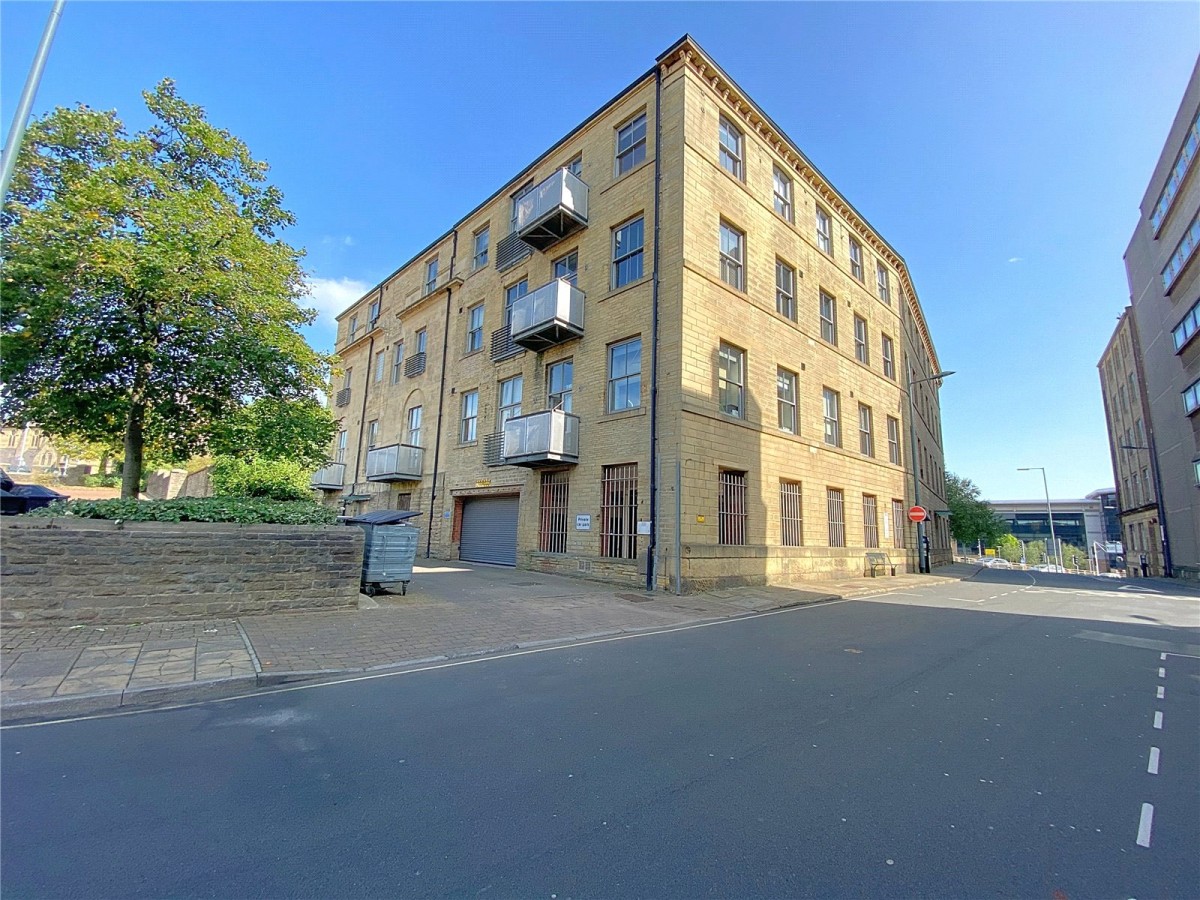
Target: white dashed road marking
x=1152, y=768
x=1144, y=825
x=1162, y=691
x=1158, y=720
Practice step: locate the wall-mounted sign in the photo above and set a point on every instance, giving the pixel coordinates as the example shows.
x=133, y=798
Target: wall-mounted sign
x=583, y=522
x=644, y=527
x=699, y=520
x=484, y=483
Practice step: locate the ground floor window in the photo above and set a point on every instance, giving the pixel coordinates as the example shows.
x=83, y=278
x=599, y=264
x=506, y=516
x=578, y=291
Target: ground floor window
x=731, y=508
x=898, y=524
x=870, y=522
x=791, y=514
x=618, y=512
x=552, y=520
x=837, y=517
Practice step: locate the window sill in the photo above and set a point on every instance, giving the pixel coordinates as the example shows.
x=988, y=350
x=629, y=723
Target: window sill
x=617, y=179
x=625, y=287
x=623, y=414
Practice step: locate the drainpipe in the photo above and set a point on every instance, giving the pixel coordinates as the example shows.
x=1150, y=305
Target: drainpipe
x=653, y=548
x=362, y=416
x=437, y=440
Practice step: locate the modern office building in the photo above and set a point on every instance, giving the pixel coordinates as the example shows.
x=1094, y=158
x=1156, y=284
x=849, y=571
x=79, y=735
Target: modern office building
x=1162, y=517
x=668, y=352
x=1080, y=523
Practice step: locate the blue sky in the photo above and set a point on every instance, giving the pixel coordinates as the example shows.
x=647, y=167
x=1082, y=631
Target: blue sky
x=1003, y=149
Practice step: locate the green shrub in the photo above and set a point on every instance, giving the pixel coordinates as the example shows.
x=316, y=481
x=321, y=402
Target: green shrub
x=108, y=481
x=238, y=510
x=272, y=479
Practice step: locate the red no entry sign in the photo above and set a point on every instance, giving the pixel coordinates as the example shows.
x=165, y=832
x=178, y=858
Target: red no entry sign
x=917, y=514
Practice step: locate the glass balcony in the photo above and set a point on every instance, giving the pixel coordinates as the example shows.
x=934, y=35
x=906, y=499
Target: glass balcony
x=552, y=210
x=332, y=477
x=549, y=315
x=547, y=438
x=396, y=462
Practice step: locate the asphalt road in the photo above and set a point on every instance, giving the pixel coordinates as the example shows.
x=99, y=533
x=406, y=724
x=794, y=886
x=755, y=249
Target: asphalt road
x=989, y=738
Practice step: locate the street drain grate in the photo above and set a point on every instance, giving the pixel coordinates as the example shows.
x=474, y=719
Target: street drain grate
x=637, y=598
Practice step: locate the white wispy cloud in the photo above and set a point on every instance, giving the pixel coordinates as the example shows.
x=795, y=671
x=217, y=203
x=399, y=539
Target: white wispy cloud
x=1014, y=259
x=330, y=296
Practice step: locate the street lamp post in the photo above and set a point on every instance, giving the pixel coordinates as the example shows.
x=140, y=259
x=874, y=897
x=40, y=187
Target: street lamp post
x=922, y=541
x=1158, y=505
x=1049, y=512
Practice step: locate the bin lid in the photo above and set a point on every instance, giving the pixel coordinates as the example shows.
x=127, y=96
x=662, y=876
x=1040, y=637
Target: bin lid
x=35, y=490
x=383, y=517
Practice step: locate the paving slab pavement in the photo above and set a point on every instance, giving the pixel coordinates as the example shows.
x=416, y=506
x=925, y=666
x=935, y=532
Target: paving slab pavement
x=451, y=610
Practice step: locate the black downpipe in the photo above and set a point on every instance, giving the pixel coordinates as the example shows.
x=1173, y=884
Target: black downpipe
x=437, y=441
x=362, y=417
x=653, y=546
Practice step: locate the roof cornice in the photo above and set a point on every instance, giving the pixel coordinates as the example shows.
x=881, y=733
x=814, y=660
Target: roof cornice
x=688, y=52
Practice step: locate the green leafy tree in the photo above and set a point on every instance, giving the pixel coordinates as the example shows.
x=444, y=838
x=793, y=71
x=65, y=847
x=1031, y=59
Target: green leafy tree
x=269, y=479
x=1009, y=548
x=971, y=519
x=145, y=294
x=268, y=428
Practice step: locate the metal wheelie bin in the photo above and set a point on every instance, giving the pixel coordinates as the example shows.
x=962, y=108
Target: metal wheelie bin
x=389, y=548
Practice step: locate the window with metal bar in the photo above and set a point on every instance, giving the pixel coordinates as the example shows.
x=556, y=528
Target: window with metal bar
x=870, y=522
x=552, y=518
x=343, y=436
x=837, y=517
x=791, y=514
x=618, y=511
x=898, y=520
x=731, y=508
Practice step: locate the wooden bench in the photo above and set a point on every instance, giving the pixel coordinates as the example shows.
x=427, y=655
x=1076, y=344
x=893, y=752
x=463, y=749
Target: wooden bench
x=879, y=561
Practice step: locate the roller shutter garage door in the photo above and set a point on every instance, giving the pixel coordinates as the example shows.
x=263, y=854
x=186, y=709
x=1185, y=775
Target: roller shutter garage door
x=489, y=530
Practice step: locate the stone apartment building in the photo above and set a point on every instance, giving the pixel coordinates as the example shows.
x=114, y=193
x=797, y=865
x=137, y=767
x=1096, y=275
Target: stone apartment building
x=667, y=353
x=1154, y=349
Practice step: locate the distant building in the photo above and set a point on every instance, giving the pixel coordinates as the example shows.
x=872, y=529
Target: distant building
x=669, y=343
x=28, y=450
x=1150, y=370
x=1080, y=523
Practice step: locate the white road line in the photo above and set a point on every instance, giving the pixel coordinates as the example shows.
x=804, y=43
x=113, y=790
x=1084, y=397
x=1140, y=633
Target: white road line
x=1152, y=768
x=1163, y=657
x=965, y=600
x=1143, y=838
x=1161, y=692
x=1162, y=673
x=1158, y=720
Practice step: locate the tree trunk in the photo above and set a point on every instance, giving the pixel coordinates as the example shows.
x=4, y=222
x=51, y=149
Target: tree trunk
x=131, y=477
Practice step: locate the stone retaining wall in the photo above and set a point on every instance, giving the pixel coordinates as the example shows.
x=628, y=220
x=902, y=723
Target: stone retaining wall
x=59, y=571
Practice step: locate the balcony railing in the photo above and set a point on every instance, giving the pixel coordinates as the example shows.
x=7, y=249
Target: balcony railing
x=396, y=462
x=503, y=346
x=556, y=208
x=549, y=315
x=546, y=438
x=331, y=477
x=414, y=365
x=342, y=397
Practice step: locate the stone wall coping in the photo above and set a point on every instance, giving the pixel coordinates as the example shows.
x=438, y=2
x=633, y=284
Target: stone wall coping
x=75, y=523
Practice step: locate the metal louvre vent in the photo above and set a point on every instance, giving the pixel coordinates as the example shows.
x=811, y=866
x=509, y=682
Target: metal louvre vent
x=510, y=251
x=342, y=398
x=503, y=346
x=493, y=449
x=414, y=365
